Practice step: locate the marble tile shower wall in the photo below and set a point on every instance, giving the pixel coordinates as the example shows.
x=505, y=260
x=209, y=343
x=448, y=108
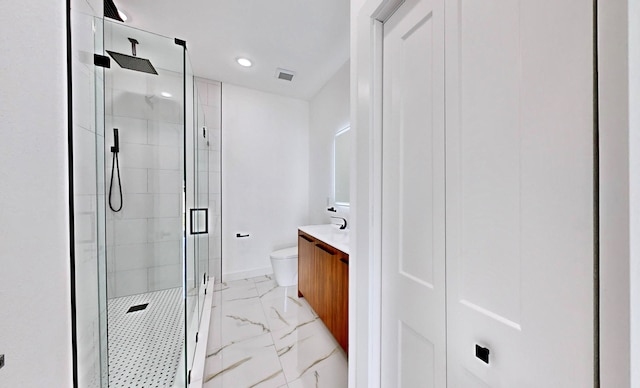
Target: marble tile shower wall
x=144, y=239
x=210, y=102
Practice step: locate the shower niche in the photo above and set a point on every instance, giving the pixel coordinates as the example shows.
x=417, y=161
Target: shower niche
x=152, y=216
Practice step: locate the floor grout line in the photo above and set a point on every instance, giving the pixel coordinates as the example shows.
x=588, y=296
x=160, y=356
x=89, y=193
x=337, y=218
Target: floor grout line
x=273, y=341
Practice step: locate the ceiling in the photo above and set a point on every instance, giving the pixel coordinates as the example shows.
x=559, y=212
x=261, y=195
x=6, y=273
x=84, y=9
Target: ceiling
x=308, y=37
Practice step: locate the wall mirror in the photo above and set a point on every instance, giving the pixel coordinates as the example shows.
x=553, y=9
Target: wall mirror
x=341, y=163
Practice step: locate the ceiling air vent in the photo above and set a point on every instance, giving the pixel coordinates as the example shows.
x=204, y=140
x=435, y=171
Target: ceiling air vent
x=283, y=74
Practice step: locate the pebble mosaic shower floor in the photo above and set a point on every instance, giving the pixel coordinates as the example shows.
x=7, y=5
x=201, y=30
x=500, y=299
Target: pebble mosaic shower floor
x=145, y=346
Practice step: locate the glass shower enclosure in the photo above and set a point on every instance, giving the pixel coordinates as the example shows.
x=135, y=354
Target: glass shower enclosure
x=152, y=209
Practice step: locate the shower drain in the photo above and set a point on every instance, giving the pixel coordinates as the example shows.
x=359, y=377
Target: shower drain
x=137, y=307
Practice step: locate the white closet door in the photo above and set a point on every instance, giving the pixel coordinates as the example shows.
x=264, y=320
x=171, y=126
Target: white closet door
x=413, y=230
x=519, y=193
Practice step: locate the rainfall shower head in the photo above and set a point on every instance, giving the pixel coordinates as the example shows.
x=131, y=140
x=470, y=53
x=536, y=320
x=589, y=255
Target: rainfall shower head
x=132, y=62
x=111, y=11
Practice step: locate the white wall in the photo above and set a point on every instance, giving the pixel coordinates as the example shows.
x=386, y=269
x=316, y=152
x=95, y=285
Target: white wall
x=634, y=196
x=328, y=113
x=614, y=193
x=265, y=185
x=35, y=325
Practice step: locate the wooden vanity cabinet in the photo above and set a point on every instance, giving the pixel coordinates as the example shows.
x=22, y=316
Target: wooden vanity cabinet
x=323, y=280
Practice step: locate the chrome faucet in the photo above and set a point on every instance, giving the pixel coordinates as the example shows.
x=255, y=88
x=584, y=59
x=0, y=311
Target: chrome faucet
x=344, y=222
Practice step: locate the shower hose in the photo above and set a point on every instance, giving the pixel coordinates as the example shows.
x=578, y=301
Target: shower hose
x=115, y=165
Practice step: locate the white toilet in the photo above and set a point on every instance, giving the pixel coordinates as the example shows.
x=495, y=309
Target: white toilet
x=285, y=266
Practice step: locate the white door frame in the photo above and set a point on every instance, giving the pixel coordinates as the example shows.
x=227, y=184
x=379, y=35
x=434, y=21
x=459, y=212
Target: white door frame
x=366, y=189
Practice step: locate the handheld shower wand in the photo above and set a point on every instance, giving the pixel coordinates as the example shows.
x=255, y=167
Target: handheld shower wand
x=116, y=141
x=115, y=149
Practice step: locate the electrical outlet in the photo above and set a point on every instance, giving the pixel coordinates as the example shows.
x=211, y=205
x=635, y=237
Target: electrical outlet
x=1, y=360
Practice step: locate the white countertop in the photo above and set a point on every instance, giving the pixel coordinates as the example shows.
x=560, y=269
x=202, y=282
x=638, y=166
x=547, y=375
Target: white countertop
x=329, y=234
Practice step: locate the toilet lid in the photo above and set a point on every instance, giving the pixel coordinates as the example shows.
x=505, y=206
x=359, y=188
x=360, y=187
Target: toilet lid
x=287, y=253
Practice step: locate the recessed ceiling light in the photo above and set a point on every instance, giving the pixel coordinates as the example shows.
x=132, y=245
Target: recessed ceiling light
x=165, y=94
x=123, y=16
x=244, y=62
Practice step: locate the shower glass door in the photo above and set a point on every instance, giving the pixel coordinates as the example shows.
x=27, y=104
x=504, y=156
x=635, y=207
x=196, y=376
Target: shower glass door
x=203, y=202
x=146, y=245
x=201, y=161
x=197, y=197
x=191, y=280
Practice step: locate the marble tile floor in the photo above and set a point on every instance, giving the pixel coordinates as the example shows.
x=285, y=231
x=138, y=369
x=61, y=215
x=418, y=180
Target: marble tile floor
x=262, y=335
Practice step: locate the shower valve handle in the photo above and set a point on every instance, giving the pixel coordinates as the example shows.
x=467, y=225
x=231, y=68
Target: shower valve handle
x=133, y=46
